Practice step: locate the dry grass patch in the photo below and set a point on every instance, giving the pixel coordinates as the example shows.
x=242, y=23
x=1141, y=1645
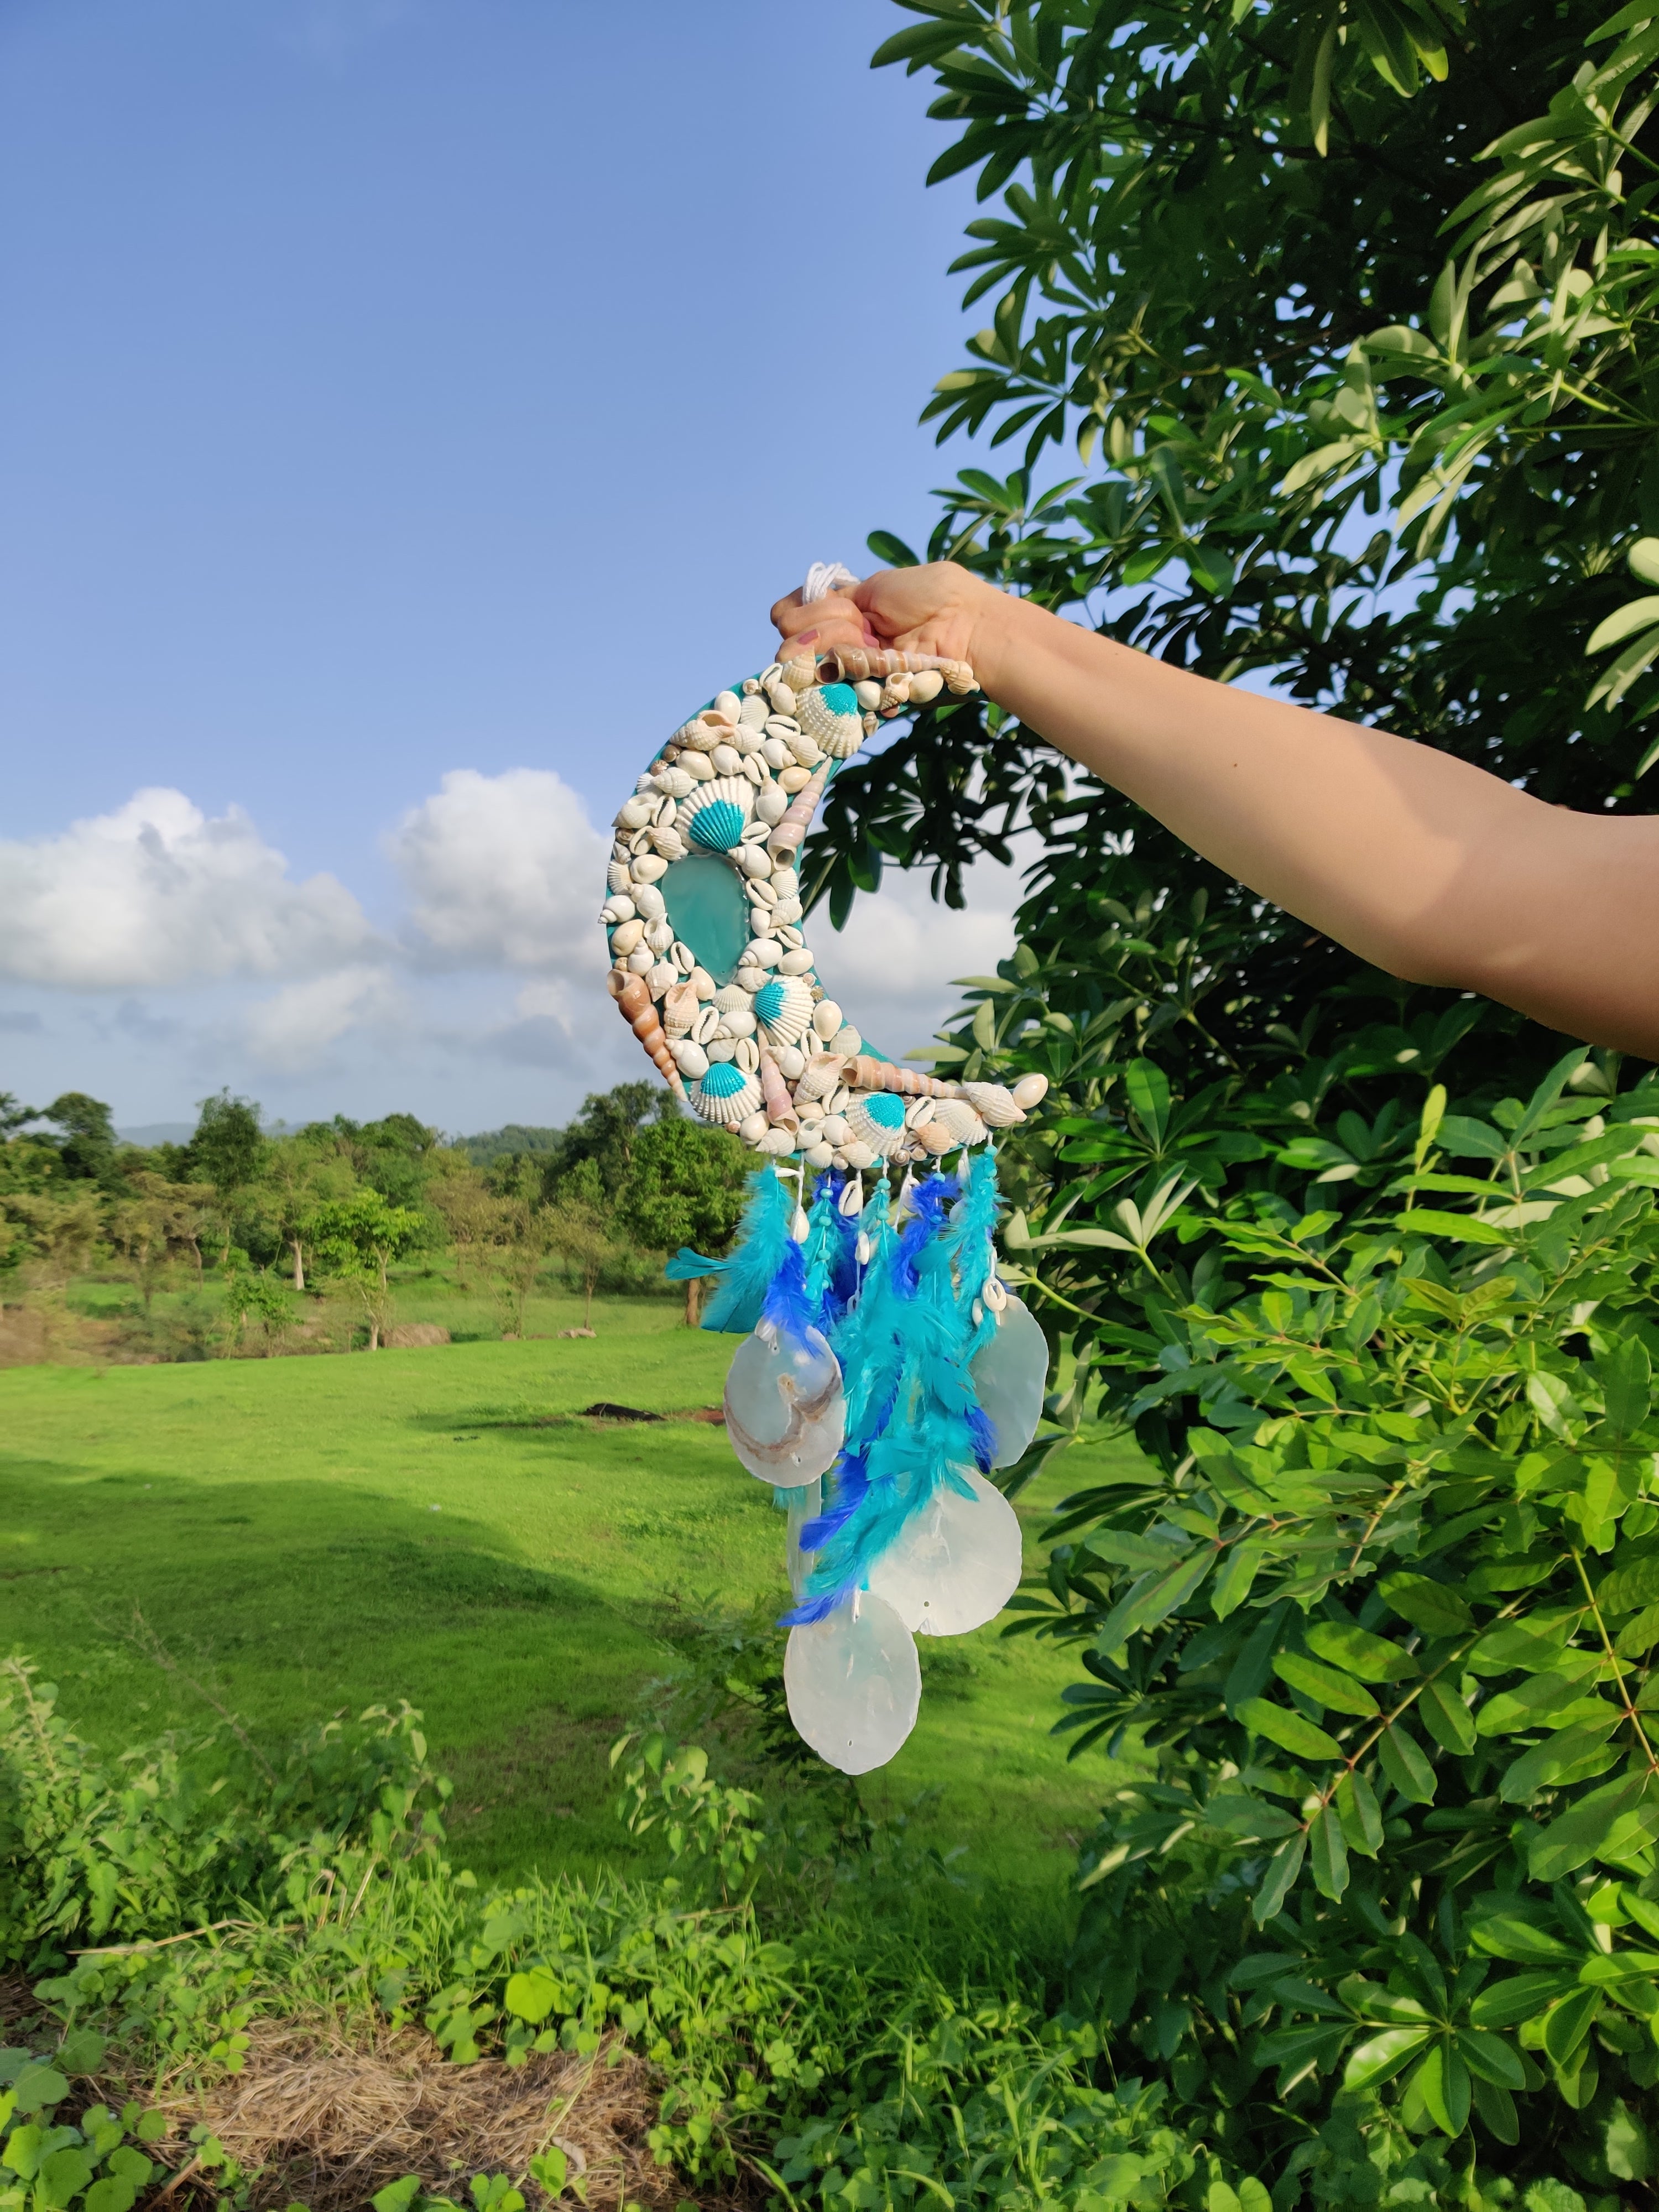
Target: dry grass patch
x=328, y=2120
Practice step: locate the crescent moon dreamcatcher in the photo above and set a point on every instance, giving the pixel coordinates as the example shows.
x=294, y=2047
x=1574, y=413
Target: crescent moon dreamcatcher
x=886, y=1369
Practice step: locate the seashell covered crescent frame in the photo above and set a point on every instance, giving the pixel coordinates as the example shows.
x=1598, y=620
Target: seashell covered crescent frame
x=704, y=915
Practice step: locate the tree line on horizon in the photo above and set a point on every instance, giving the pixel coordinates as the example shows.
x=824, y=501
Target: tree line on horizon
x=259, y=1217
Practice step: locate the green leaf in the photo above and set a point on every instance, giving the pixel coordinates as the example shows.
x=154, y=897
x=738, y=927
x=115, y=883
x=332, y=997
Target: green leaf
x=1380, y=2058
x=1504, y=1936
x=1324, y=1684
x=1567, y=2026
x=1636, y=1584
x=532, y=1995
x=1496, y=2109
x=1239, y=1568
x=1443, y=2082
x=1283, y=1868
x=1404, y=1764
x=1249, y=1817
x=1153, y=1598
x=1623, y=623
x=1625, y=1375
x=1357, y=1651
x=1490, y=2057
x=1519, y=1997
x=1147, y=1090
x=1328, y=1854
x=1127, y=1550
x=1290, y=1731
x=1571, y=1756
x=1567, y=1844
x=1446, y=1717
x=1433, y=1607
x=1361, y=1814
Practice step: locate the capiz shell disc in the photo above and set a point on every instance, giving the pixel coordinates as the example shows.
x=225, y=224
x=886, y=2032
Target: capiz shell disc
x=854, y=1683
x=785, y=1412
x=1009, y=1375
x=956, y=1565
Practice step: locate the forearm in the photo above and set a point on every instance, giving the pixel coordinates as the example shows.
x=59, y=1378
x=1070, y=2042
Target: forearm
x=1419, y=862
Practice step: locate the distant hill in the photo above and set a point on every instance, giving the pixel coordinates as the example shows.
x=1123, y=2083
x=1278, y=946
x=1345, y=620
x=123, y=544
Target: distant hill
x=516, y=1137
x=159, y=1132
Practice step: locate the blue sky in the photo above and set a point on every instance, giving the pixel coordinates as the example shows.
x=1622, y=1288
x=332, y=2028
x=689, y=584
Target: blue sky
x=409, y=410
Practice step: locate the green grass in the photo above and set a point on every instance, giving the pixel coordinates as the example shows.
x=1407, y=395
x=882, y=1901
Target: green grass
x=310, y=1536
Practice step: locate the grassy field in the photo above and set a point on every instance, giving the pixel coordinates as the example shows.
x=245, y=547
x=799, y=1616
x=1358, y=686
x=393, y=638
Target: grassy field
x=306, y=1535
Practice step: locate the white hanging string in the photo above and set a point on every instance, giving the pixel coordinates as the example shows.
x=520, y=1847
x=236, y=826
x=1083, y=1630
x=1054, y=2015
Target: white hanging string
x=822, y=578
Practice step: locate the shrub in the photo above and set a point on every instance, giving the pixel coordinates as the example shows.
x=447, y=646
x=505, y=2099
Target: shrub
x=1378, y=1599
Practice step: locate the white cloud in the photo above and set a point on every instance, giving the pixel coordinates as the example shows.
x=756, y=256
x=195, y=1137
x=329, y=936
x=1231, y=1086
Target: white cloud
x=505, y=871
x=890, y=968
x=156, y=894
x=295, y=1028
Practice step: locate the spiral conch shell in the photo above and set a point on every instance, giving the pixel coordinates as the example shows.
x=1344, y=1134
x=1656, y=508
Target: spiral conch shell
x=993, y=1101
x=958, y=1119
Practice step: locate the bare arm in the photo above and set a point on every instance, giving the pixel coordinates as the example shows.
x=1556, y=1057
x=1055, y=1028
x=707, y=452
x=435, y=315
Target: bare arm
x=1421, y=864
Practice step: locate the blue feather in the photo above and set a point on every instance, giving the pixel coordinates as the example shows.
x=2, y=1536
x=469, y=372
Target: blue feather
x=763, y=1245
x=913, y=1422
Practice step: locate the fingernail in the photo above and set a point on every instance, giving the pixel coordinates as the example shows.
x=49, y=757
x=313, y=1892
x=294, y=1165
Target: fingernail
x=804, y=637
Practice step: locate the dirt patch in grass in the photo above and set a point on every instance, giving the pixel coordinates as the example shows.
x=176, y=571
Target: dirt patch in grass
x=328, y=2120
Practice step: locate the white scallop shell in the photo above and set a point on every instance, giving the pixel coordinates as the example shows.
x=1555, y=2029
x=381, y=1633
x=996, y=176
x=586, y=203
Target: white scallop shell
x=867, y=1130
x=729, y=997
x=794, y=1010
x=729, y=1110
x=994, y=1103
x=838, y=734
x=736, y=790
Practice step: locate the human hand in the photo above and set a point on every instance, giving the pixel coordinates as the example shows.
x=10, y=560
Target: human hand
x=941, y=609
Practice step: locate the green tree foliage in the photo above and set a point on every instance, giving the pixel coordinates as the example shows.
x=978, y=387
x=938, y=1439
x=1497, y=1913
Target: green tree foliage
x=1347, y=316
x=357, y=1238
x=1373, y=1615
x=686, y=1186
x=228, y=1149
x=86, y=1143
x=1314, y=380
